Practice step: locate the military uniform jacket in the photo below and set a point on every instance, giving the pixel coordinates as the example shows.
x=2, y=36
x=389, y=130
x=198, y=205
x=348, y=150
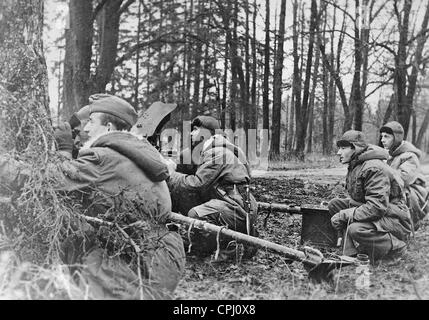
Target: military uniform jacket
x=371, y=182
x=405, y=159
x=220, y=165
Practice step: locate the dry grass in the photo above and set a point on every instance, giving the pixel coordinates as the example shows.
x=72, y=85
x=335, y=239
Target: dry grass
x=27, y=281
x=312, y=161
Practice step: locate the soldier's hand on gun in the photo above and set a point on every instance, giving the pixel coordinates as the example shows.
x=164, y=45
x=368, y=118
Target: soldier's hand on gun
x=340, y=220
x=171, y=165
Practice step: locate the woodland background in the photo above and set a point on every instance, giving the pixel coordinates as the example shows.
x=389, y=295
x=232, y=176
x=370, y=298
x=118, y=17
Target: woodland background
x=304, y=70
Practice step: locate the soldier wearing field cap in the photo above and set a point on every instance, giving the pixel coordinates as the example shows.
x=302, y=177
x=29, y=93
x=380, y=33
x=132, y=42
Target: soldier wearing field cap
x=374, y=219
x=217, y=191
x=405, y=158
x=120, y=179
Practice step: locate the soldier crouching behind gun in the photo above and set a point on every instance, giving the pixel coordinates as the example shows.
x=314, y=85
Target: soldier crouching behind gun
x=375, y=219
x=119, y=179
x=217, y=192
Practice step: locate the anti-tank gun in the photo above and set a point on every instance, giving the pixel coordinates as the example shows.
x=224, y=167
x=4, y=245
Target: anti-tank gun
x=316, y=230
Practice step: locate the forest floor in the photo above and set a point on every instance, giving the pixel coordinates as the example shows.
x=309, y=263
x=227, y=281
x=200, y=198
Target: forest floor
x=268, y=276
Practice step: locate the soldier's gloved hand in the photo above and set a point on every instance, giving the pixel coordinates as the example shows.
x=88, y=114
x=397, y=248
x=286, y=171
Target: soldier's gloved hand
x=63, y=137
x=74, y=121
x=340, y=220
x=171, y=165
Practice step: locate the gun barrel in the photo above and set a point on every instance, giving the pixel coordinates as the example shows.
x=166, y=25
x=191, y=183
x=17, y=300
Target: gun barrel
x=292, y=209
x=258, y=242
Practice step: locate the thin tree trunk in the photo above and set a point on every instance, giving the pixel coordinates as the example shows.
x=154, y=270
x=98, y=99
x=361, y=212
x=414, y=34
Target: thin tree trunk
x=287, y=122
x=197, y=64
x=108, y=28
x=277, y=87
x=418, y=56
x=404, y=110
x=356, y=103
x=423, y=130
x=137, y=84
x=226, y=22
x=253, y=110
x=302, y=117
x=246, y=91
x=296, y=85
x=77, y=69
x=265, y=97
x=313, y=95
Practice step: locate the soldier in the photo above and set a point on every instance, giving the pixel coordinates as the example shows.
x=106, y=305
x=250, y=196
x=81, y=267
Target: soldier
x=218, y=190
x=120, y=179
x=405, y=158
x=375, y=219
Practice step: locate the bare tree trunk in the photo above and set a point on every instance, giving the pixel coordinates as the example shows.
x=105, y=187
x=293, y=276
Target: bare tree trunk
x=366, y=21
x=137, y=84
x=277, y=87
x=189, y=52
x=302, y=115
x=356, y=103
x=291, y=135
x=417, y=61
x=325, y=85
x=287, y=121
x=266, y=90
x=77, y=69
x=253, y=110
x=24, y=101
x=108, y=28
x=197, y=64
x=423, y=129
x=226, y=21
x=296, y=85
x=313, y=96
x=404, y=110
x=246, y=91
x=390, y=108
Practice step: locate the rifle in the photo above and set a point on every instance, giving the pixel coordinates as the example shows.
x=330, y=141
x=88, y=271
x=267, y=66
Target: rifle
x=318, y=267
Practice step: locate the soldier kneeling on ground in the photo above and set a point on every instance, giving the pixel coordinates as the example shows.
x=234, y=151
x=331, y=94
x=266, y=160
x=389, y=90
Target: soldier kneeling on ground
x=217, y=191
x=374, y=219
x=405, y=158
x=119, y=179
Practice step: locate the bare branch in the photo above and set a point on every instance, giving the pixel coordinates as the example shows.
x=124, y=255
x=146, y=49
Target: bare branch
x=340, y=8
x=125, y=6
x=98, y=8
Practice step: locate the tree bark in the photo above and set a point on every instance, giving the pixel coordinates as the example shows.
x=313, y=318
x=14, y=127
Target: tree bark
x=266, y=90
x=302, y=116
x=277, y=87
x=24, y=102
x=423, y=130
x=108, y=32
x=296, y=82
x=77, y=69
x=416, y=63
x=356, y=103
x=253, y=110
x=404, y=110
